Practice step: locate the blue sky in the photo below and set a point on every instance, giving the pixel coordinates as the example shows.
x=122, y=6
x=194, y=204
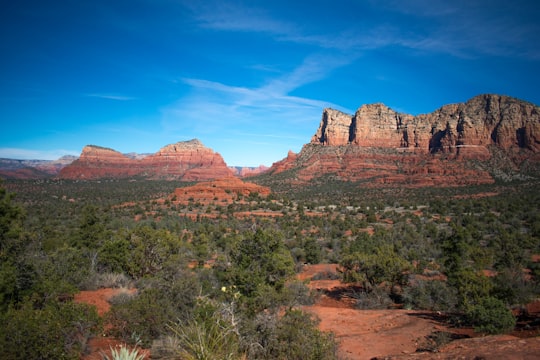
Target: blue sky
x=248, y=78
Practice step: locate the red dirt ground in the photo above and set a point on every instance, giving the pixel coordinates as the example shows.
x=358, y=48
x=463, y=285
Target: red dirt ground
x=371, y=334
x=397, y=334
x=98, y=346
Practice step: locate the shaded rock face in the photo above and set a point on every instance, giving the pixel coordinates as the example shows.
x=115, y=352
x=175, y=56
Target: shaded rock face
x=386, y=147
x=482, y=121
x=218, y=191
x=186, y=161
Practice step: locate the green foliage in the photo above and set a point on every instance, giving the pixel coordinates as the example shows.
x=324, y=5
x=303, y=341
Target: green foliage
x=92, y=230
x=53, y=331
x=149, y=250
x=114, y=255
x=170, y=296
x=430, y=295
x=471, y=285
x=385, y=265
x=124, y=353
x=292, y=336
x=491, y=316
x=209, y=335
x=261, y=262
x=513, y=287
x=80, y=234
x=11, y=217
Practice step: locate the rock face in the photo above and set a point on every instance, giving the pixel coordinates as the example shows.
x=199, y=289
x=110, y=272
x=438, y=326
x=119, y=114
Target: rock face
x=383, y=146
x=243, y=171
x=33, y=169
x=218, y=191
x=186, y=161
x=482, y=121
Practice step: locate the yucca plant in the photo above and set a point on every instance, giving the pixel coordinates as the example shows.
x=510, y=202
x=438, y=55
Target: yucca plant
x=124, y=353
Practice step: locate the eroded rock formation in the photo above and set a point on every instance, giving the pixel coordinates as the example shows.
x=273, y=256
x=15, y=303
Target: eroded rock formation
x=482, y=121
x=386, y=147
x=218, y=191
x=186, y=161
x=245, y=171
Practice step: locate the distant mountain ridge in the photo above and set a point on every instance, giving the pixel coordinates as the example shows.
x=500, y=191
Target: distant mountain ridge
x=458, y=144
x=33, y=169
x=488, y=137
x=185, y=160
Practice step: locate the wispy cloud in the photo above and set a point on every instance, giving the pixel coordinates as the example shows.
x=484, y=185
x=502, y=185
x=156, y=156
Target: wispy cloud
x=465, y=28
x=112, y=97
x=30, y=154
x=228, y=16
x=462, y=29
x=212, y=106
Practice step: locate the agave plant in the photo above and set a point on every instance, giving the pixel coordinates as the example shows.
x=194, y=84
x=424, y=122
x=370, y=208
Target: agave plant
x=124, y=353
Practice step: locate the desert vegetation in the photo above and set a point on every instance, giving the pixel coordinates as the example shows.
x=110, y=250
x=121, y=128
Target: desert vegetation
x=217, y=280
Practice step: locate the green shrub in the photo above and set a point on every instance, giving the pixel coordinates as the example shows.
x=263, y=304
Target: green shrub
x=376, y=298
x=491, y=316
x=160, y=300
x=431, y=295
x=294, y=335
x=55, y=331
x=203, y=338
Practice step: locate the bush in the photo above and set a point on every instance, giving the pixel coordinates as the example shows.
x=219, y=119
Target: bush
x=292, y=336
x=160, y=300
x=54, y=331
x=209, y=336
x=431, y=295
x=376, y=298
x=491, y=316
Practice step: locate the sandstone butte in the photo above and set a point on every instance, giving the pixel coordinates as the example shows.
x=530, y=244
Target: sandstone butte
x=218, y=191
x=455, y=145
x=186, y=161
x=248, y=171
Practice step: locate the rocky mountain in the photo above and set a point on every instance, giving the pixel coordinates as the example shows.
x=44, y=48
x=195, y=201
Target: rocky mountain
x=244, y=171
x=458, y=144
x=33, y=169
x=186, y=161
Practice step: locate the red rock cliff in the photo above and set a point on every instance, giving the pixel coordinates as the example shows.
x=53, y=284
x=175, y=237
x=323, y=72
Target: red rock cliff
x=187, y=161
x=382, y=146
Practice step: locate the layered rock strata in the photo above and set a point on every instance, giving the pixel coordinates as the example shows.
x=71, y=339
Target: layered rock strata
x=218, y=191
x=387, y=147
x=482, y=121
x=186, y=161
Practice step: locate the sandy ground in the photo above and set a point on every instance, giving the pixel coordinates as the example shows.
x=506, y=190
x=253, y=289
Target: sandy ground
x=101, y=345
x=369, y=334
x=399, y=334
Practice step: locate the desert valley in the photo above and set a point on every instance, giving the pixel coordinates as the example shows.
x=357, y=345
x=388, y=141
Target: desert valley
x=388, y=236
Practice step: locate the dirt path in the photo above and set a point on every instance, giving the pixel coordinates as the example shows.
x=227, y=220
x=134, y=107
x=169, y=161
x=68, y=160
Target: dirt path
x=397, y=334
x=365, y=334
x=100, y=345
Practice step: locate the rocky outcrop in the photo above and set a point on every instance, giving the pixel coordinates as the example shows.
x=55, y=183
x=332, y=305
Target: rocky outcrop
x=245, y=171
x=186, y=161
x=480, y=122
x=218, y=191
x=382, y=146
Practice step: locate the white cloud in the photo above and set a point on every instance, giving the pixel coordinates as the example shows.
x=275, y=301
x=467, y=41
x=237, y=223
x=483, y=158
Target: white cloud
x=30, y=154
x=213, y=106
x=223, y=15
x=111, y=97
